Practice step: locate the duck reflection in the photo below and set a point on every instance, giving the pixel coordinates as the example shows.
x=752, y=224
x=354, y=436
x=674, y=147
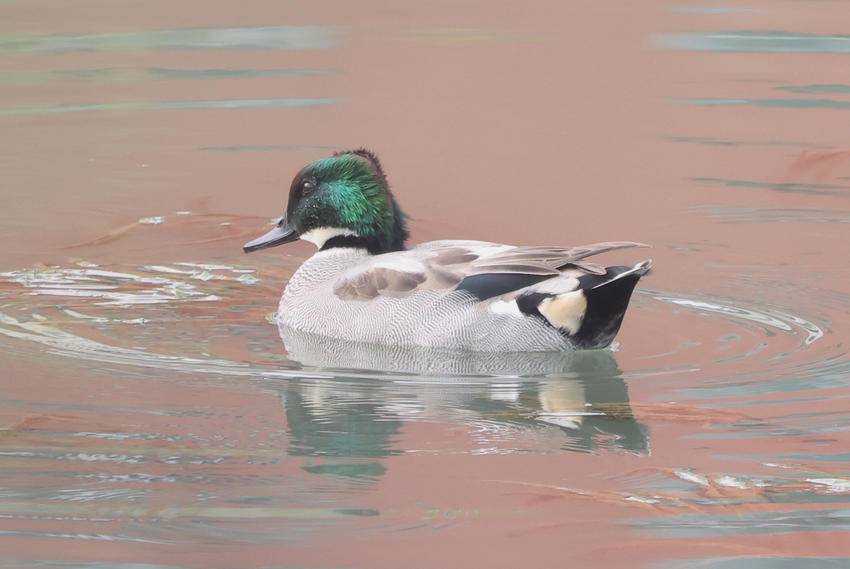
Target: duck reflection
x=350, y=419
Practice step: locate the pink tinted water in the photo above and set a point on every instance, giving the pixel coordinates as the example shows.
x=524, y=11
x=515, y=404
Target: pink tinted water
x=152, y=417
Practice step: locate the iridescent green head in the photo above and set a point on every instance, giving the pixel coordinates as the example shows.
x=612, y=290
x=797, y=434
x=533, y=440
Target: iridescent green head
x=341, y=201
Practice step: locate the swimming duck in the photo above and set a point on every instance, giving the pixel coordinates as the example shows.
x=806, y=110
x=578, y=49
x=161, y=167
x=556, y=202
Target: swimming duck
x=364, y=285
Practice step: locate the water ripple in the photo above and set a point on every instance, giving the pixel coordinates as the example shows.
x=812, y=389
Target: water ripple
x=128, y=74
x=169, y=105
x=271, y=37
x=749, y=523
x=774, y=215
x=755, y=42
x=769, y=103
x=787, y=187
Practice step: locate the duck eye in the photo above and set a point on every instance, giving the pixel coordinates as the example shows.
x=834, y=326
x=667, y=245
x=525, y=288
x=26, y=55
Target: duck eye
x=308, y=185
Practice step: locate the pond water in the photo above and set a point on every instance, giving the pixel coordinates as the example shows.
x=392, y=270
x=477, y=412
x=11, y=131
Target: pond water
x=152, y=416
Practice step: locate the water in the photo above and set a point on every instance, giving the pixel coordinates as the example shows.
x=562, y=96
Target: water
x=153, y=416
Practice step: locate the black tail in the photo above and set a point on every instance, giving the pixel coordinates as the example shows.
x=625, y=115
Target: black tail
x=607, y=301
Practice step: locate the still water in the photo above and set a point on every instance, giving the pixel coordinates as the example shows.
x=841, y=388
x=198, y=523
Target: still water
x=151, y=415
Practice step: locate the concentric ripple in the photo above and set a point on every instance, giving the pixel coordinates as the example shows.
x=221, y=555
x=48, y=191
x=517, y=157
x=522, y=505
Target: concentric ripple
x=189, y=321
x=59, y=307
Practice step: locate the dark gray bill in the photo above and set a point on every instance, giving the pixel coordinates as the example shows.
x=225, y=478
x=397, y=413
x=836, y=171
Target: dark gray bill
x=281, y=234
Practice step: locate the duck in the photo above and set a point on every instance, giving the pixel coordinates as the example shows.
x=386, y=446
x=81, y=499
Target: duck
x=364, y=283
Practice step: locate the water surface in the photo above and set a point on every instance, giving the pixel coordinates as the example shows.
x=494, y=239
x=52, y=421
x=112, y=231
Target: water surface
x=152, y=415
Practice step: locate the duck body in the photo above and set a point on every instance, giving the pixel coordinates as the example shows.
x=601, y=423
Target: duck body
x=364, y=286
x=442, y=294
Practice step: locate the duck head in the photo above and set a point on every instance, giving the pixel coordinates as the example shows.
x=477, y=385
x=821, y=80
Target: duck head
x=340, y=201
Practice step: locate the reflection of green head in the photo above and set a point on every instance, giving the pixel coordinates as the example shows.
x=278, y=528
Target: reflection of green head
x=348, y=191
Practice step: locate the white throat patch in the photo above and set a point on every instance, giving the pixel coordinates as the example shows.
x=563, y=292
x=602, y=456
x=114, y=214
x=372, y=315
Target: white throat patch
x=320, y=235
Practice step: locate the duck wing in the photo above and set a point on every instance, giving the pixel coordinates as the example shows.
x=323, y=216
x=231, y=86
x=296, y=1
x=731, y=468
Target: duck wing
x=521, y=267
x=479, y=268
